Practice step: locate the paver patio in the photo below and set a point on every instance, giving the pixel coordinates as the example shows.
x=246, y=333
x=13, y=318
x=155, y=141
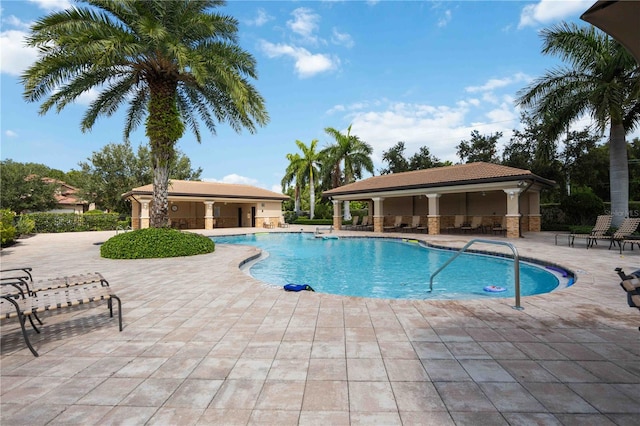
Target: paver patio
x=204, y=343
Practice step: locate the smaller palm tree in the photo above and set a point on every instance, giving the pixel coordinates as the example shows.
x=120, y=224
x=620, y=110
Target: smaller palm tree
x=346, y=160
x=307, y=167
x=294, y=174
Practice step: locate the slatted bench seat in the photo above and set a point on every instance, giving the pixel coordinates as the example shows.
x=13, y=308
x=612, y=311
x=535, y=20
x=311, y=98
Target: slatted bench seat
x=28, y=305
x=12, y=276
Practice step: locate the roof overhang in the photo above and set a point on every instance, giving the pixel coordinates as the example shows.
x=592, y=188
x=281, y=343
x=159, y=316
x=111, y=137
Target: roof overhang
x=620, y=19
x=476, y=185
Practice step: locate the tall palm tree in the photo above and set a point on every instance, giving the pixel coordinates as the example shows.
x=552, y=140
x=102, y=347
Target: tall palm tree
x=295, y=174
x=346, y=160
x=603, y=80
x=308, y=166
x=175, y=62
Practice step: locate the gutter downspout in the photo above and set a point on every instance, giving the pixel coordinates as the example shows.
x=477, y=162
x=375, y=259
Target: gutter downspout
x=520, y=195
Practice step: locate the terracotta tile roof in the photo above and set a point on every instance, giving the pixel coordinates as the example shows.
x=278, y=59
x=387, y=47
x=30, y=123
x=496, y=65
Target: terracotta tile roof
x=461, y=174
x=211, y=189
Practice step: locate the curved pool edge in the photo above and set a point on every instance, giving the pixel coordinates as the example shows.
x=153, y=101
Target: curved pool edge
x=564, y=281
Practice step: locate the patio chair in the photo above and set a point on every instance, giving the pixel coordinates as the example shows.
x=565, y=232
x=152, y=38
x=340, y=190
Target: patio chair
x=415, y=222
x=282, y=223
x=396, y=224
x=476, y=223
x=458, y=221
x=631, y=285
x=28, y=305
x=423, y=228
x=603, y=223
x=267, y=223
x=354, y=223
x=501, y=227
x=628, y=226
x=365, y=225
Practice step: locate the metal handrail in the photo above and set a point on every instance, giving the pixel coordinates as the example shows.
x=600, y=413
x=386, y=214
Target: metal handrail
x=516, y=265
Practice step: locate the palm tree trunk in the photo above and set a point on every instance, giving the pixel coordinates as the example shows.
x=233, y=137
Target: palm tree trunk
x=618, y=174
x=296, y=200
x=160, y=207
x=312, y=200
x=347, y=210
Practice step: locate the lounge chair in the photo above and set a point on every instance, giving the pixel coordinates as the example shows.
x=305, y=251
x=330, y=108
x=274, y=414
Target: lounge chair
x=23, y=277
x=396, y=224
x=282, y=223
x=415, y=223
x=603, y=223
x=500, y=228
x=628, y=226
x=476, y=223
x=458, y=221
x=354, y=223
x=267, y=223
x=28, y=304
x=631, y=285
x=365, y=225
x=423, y=228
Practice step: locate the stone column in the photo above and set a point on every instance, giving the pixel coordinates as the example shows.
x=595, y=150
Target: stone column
x=378, y=215
x=144, y=214
x=433, y=219
x=208, y=214
x=513, y=213
x=535, y=218
x=337, y=216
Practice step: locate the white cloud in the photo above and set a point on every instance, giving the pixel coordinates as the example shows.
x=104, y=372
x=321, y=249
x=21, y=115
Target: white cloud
x=10, y=134
x=342, y=39
x=439, y=127
x=87, y=97
x=444, y=19
x=307, y=64
x=52, y=5
x=15, y=57
x=262, y=17
x=304, y=23
x=15, y=22
x=497, y=83
x=547, y=11
x=234, y=178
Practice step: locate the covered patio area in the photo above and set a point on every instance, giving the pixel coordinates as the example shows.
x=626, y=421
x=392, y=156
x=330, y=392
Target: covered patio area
x=209, y=205
x=493, y=194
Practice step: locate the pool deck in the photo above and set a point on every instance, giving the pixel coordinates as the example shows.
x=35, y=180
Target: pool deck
x=204, y=343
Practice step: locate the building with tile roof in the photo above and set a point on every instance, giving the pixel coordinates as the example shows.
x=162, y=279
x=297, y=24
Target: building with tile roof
x=207, y=205
x=498, y=194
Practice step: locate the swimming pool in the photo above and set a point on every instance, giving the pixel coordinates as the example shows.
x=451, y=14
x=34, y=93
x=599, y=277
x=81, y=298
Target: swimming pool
x=386, y=268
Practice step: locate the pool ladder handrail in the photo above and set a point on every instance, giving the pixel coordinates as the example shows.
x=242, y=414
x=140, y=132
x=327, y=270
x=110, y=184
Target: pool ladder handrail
x=516, y=265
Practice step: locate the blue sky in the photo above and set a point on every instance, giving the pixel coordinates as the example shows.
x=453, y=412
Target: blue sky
x=426, y=73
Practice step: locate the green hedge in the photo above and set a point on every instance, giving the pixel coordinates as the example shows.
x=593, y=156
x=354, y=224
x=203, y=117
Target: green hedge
x=156, y=243
x=72, y=222
x=7, y=230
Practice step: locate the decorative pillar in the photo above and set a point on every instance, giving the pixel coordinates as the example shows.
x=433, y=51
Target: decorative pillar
x=433, y=219
x=535, y=218
x=513, y=213
x=337, y=216
x=208, y=214
x=378, y=215
x=144, y=214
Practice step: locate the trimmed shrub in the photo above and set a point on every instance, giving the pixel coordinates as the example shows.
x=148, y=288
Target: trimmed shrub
x=25, y=226
x=7, y=230
x=155, y=243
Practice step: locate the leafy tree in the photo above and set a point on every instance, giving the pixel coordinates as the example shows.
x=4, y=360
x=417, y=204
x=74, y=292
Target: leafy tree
x=116, y=169
x=175, y=62
x=394, y=157
x=22, y=188
x=295, y=174
x=603, y=80
x=424, y=160
x=346, y=160
x=479, y=148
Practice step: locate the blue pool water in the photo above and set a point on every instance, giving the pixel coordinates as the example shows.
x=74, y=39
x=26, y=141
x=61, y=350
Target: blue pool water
x=386, y=268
